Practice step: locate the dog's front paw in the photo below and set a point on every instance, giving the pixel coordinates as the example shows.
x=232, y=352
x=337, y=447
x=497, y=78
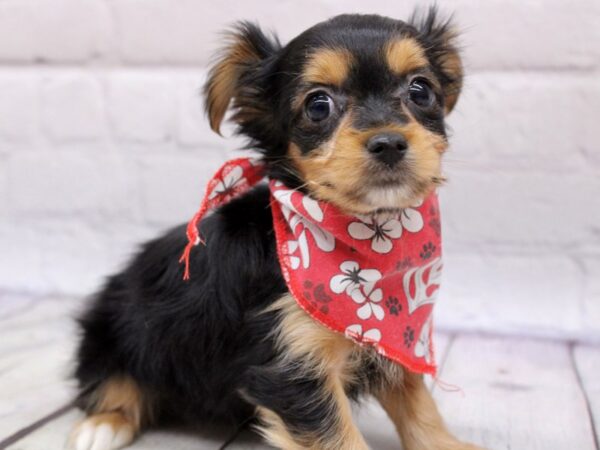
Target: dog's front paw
x=109, y=431
x=467, y=446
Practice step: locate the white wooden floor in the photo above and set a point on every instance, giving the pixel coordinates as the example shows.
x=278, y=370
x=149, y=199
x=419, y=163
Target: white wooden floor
x=515, y=393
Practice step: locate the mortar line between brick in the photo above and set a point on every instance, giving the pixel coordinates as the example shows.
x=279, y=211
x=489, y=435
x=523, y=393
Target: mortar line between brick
x=203, y=65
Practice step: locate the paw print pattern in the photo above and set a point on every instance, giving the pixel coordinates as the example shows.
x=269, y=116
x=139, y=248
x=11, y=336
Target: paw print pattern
x=393, y=305
x=317, y=296
x=404, y=264
x=428, y=251
x=409, y=336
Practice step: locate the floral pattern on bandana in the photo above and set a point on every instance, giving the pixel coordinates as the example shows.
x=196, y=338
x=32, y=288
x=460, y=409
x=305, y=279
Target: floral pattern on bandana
x=360, y=268
x=383, y=229
x=353, y=277
x=356, y=332
x=226, y=185
x=421, y=284
x=380, y=230
x=369, y=299
x=374, y=279
x=301, y=225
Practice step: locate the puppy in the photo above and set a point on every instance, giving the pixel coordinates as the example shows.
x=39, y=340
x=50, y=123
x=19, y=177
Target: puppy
x=350, y=114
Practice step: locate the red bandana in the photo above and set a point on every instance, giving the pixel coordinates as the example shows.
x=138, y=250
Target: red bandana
x=373, y=278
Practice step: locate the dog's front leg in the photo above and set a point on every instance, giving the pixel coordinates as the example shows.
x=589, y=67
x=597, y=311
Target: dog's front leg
x=411, y=407
x=300, y=397
x=304, y=412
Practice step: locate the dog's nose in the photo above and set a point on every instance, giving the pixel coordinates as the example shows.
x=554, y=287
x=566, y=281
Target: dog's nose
x=389, y=148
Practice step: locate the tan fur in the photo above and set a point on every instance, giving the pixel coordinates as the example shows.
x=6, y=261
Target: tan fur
x=402, y=394
x=115, y=420
x=122, y=395
x=348, y=436
x=118, y=404
x=328, y=66
x=274, y=430
x=299, y=337
x=452, y=65
x=223, y=78
x=414, y=413
x=327, y=354
x=405, y=55
x=341, y=170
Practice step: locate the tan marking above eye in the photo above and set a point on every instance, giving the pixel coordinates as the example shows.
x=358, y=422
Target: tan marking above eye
x=328, y=66
x=452, y=65
x=405, y=55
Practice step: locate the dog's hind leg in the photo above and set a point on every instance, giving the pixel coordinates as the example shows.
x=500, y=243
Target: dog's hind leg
x=116, y=410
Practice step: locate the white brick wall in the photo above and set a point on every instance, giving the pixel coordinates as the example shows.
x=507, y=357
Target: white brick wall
x=72, y=108
x=103, y=143
x=18, y=108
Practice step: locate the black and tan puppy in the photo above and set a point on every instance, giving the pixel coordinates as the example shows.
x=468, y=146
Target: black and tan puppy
x=231, y=344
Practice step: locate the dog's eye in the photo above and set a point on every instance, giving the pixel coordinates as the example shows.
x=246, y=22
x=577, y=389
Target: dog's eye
x=420, y=93
x=319, y=106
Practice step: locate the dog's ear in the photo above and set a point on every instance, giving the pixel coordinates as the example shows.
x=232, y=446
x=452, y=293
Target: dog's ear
x=239, y=75
x=439, y=37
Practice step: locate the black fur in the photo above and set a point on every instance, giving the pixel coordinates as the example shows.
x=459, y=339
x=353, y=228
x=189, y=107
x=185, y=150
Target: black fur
x=202, y=350
x=192, y=342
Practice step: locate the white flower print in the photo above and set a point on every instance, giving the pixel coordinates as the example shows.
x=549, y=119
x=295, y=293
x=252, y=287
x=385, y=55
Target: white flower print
x=369, y=298
x=411, y=218
x=356, y=332
x=313, y=208
x=292, y=248
x=381, y=229
x=422, y=346
x=228, y=182
x=352, y=277
x=323, y=239
x=425, y=292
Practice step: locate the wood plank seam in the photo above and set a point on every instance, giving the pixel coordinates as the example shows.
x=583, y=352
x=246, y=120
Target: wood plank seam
x=581, y=385
x=23, y=432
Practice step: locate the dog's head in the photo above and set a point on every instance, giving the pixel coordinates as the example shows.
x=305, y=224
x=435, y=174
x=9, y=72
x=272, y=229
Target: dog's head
x=352, y=110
